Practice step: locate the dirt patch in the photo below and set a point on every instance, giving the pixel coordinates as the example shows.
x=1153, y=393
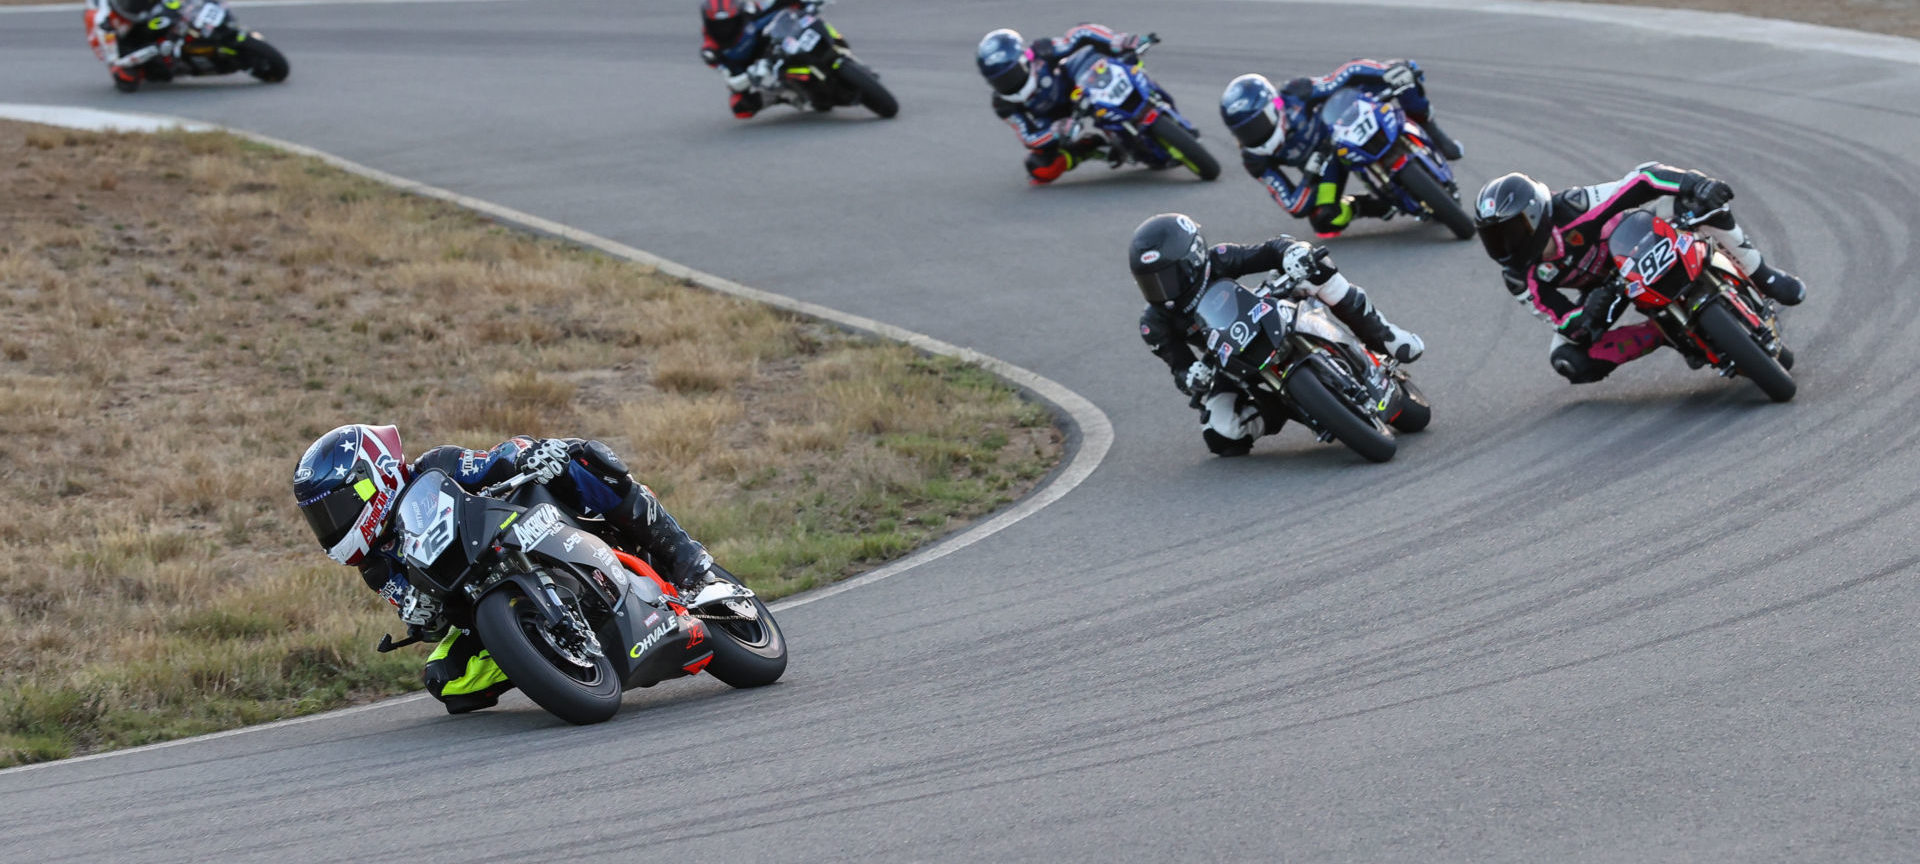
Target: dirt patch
x=181, y=314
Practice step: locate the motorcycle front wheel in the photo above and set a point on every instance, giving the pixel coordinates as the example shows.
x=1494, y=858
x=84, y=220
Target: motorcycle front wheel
x=1312, y=397
x=511, y=627
x=1725, y=332
x=264, y=61
x=872, y=93
x=1184, y=148
x=1425, y=187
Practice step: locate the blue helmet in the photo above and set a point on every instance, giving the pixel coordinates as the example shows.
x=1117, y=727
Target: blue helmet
x=1003, y=61
x=1251, y=109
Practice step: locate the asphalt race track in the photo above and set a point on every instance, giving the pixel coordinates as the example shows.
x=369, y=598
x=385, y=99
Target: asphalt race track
x=1657, y=618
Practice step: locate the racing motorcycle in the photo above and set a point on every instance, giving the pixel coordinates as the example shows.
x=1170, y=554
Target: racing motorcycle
x=1299, y=362
x=205, y=41
x=1703, y=303
x=808, y=66
x=1393, y=157
x=572, y=621
x=1135, y=115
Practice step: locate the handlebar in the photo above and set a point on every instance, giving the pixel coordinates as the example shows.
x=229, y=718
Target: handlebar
x=1689, y=222
x=507, y=485
x=1147, y=41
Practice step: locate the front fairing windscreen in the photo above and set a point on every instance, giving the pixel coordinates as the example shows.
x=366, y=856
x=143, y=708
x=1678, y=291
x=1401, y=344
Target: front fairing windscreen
x=426, y=519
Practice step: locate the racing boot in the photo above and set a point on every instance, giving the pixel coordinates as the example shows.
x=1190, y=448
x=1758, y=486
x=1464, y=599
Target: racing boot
x=462, y=675
x=1785, y=288
x=1370, y=207
x=125, y=80
x=1230, y=422
x=641, y=525
x=1782, y=286
x=1366, y=322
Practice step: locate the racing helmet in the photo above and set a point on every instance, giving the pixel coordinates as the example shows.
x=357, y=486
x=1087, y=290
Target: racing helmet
x=1003, y=60
x=346, y=484
x=1509, y=213
x=1251, y=108
x=135, y=10
x=1169, y=260
x=725, y=19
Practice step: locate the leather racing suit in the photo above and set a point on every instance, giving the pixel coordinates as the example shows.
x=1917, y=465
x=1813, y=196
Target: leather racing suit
x=1307, y=146
x=595, y=486
x=1570, y=283
x=1229, y=420
x=1042, y=115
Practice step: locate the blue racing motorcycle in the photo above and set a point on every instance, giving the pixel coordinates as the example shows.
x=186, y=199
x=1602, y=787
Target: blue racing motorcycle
x=1392, y=155
x=1136, y=116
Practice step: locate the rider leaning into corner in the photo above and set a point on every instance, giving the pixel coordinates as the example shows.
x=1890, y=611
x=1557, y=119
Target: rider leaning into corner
x=1171, y=264
x=733, y=44
x=1280, y=129
x=350, y=478
x=1552, y=244
x=1034, y=95
x=134, y=39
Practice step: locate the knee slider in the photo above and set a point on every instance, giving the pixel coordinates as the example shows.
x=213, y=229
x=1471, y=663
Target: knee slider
x=1326, y=219
x=1047, y=169
x=1574, y=364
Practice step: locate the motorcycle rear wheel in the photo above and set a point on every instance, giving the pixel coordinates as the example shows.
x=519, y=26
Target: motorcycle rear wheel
x=1184, y=148
x=873, y=94
x=747, y=653
x=1312, y=397
x=1425, y=187
x=1725, y=332
x=264, y=61
x=508, y=625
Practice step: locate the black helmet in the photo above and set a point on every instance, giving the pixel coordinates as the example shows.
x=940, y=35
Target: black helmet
x=1168, y=258
x=136, y=10
x=345, y=485
x=1509, y=213
x=1003, y=62
x=1251, y=108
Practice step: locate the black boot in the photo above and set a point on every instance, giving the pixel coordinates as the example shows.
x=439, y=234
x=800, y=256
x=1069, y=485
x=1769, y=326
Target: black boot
x=1369, y=207
x=1444, y=142
x=1366, y=322
x=644, y=526
x=1782, y=286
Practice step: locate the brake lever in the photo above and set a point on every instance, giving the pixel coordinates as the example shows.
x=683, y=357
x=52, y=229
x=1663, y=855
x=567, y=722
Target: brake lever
x=415, y=636
x=507, y=485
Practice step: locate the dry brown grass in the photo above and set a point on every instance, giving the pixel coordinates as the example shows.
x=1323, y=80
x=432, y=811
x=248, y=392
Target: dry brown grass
x=181, y=314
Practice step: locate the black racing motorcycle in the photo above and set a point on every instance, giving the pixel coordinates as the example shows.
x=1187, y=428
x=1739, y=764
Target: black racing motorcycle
x=809, y=65
x=204, y=41
x=572, y=621
x=1299, y=362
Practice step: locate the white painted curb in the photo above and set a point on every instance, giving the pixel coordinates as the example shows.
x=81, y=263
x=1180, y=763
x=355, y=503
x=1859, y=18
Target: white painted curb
x=1094, y=428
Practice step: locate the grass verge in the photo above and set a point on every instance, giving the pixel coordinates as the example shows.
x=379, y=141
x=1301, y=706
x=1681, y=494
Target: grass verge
x=180, y=314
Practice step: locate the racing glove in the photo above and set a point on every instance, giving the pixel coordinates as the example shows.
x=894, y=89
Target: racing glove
x=544, y=460
x=1400, y=77
x=1602, y=308
x=1307, y=263
x=1703, y=194
x=711, y=56
x=1197, y=379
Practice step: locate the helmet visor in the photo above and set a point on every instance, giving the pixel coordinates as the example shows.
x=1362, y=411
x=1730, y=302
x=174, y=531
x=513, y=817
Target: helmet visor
x=1164, y=285
x=1008, y=81
x=1255, y=130
x=1506, y=238
x=333, y=514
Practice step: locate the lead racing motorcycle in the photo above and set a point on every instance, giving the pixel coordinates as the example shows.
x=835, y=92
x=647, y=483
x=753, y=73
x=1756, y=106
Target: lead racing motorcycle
x=202, y=39
x=572, y=621
x=1136, y=117
x=808, y=65
x=1704, y=305
x=1392, y=156
x=1298, y=362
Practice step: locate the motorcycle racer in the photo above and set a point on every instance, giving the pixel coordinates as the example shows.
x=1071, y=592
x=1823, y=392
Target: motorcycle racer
x=1279, y=129
x=1550, y=244
x=1171, y=263
x=133, y=37
x=1034, y=95
x=349, y=479
x=731, y=43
